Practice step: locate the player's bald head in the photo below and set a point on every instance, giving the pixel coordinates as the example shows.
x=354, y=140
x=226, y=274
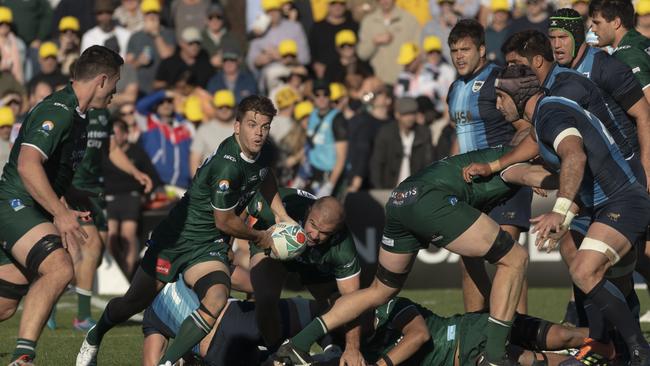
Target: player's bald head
x=330, y=210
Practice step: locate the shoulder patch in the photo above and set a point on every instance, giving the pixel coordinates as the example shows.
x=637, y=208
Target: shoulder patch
x=47, y=126
x=224, y=185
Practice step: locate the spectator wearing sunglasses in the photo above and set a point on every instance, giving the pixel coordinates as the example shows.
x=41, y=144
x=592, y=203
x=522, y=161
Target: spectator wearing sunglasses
x=189, y=56
x=347, y=68
x=106, y=33
x=216, y=36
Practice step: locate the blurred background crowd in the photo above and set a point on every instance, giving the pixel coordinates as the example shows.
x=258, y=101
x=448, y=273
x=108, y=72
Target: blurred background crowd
x=360, y=85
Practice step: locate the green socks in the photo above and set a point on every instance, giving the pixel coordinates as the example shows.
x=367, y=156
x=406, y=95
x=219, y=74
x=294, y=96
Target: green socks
x=192, y=331
x=83, y=303
x=24, y=347
x=497, y=332
x=96, y=333
x=310, y=334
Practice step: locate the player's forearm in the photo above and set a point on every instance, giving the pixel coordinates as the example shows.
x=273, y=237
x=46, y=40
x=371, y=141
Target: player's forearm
x=571, y=172
x=341, y=154
x=641, y=113
x=406, y=347
x=272, y=196
x=531, y=176
x=233, y=225
x=353, y=337
x=525, y=151
x=119, y=158
x=37, y=185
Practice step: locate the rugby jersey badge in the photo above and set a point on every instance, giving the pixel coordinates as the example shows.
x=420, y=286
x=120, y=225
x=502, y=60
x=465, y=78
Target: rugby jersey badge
x=47, y=126
x=224, y=184
x=478, y=84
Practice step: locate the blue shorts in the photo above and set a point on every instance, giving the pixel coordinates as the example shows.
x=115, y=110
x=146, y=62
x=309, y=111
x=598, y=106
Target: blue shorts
x=515, y=211
x=151, y=324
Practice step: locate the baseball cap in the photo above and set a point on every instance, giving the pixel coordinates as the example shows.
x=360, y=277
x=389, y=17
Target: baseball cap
x=69, y=23
x=7, y=117
x=500, y=5
x=302, y=110
x=406, y=105
x=337, y=91
x=288, y=47
x=407, y=53
x=432, y=43
x=345, y=36
x=268, y=5
x=643, y=7
x=285, y=97
x=230, y=53
x=150, y=6
x=224, y=98
x=192, y=109
x=215, y=9
x=321, y=85
x=6, y=15
x=191, y=34
x=48, y=49
x=104, y=6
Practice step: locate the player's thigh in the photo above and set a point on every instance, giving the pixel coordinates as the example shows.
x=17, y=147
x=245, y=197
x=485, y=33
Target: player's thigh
x=54, y=255
x=153, y=348
x=602, y=247
x=210, y=280
x=267, y=277
x=477, y=240
x=13, y=286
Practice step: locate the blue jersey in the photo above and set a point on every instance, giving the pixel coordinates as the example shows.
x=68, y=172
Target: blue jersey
x=606, y=173
x=619, y=87
x=472, y=107
x=570, y=84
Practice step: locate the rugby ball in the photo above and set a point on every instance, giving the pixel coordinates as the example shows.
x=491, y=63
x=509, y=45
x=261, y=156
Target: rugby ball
x=289, y=240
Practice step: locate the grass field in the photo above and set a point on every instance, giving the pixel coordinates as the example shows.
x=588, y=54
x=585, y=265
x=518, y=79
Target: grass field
x=123, y=345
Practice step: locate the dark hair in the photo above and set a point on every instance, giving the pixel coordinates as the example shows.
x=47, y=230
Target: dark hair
x=256, y=103
x=610, y=9
x=121, y=125
x=528, y=44
x=467, y=28
x=96, y=60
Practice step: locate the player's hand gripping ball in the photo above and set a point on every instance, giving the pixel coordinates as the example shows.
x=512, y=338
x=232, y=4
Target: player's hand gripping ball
x=289, y=240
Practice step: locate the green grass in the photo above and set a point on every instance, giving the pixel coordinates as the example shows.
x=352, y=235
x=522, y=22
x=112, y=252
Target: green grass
x=123, y=345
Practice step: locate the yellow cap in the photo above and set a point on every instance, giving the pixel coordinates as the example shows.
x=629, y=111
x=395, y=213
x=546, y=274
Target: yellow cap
x=150, y=6
x=48, y=49
x=643, y=7
x=69, y=23
x=407, y=53
x=345, y=36
x=302, y=110
x=500, y=5
x=6, y=16
x=288, y=47
x=286, y=97
x=337, y=91
x=432, y=43
x=271, y=4
x=6, y=116
x=192, y=109
x=224, y=98
x=337, y=1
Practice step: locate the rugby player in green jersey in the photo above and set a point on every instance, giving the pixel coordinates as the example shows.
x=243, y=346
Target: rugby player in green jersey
x=194, y=238
x=436, y=206
x=87, y=194
x=328, y=264
x=35, y=224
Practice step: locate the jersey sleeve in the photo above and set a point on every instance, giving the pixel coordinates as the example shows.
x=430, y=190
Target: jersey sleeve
x=47, y=126
x=617, y=79
x=388, y=312
x=340, y=128
x=639, y=62
x=554, y=124
x=225, y=184
x=347, y=261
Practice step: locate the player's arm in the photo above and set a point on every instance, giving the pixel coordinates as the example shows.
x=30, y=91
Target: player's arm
x=525, y=174
x=415, y=334
x=526, y=150
x=270, y=193
x=228, y=222
x=522, y=129
x=640, y=111
x=121, y=161
x=352, y=354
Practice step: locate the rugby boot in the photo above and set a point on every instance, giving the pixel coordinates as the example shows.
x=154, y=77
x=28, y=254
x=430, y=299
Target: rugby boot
x=288, y=355
x=83, y=325
x=483, y=361
x=592, y=353
x=51, y=320
x=23, y=360
x=87, y=355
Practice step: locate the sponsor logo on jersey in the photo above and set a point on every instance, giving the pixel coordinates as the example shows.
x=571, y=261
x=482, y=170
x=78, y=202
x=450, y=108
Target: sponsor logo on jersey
x=636, y=69
x=453, y=200
x=478, y=84
x=387, y=241
x=163, y=266
x=586, y=74
x=510, y=215
x=613, y=216
x=16, y=204
x=230, y=157
x=224, y=185
x=57, y=104
x=398, y=198
x=103, y=120
x=47, y=126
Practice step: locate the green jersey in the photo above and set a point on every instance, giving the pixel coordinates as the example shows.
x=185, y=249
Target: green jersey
x=89, y=176
x=337, y=256
x=446, y=333
x=633, y=50
x=225, y=181
x=446, y=175
x=57, y=129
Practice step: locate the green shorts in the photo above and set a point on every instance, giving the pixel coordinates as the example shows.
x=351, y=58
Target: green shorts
x=471, y=338
x=310, y=274
x=165, y=261
x=81, y=200
x=4, y=258
x=16, y=220
x=417, y=218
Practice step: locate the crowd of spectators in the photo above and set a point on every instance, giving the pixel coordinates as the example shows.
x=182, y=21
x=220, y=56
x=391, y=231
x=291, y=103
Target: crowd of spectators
x=360, y=85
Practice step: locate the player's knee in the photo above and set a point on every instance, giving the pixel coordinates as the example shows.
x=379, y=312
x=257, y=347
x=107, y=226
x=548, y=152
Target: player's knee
x=210, y=291
x=7, y=309
x=504, y=251
x=47, y=247
x=582, y=271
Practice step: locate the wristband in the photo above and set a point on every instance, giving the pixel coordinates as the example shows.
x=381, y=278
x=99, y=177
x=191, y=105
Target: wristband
x=567, y=219
x=387, y=360
x=495, y=166
x=562, y=206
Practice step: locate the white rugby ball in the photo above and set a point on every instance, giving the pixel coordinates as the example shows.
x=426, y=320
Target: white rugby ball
x=289, y=240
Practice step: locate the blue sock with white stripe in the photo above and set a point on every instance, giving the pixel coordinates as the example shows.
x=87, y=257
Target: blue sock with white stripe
x=24, y=347
x=193, y=329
